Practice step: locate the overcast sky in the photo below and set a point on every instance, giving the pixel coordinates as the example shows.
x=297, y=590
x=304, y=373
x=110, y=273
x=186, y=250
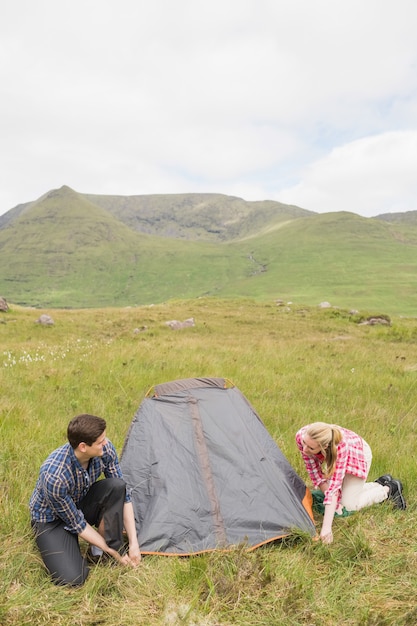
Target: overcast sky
x=309, y=102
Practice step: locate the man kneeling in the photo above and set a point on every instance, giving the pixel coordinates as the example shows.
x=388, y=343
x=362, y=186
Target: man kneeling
x=68, y=500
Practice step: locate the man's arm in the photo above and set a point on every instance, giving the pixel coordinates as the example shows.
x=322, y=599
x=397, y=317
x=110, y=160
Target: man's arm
x=90, y=535
x=113, y=469
x=130, y=528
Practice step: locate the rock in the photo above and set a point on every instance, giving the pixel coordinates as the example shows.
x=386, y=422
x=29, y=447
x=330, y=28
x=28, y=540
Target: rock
x=45, y=320
x=176, y=325
x=3, y=304
x=375, y=320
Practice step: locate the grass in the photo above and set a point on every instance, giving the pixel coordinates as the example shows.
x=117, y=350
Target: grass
x=294, y=364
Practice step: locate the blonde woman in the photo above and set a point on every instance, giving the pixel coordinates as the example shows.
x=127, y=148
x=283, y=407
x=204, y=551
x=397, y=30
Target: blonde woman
x=338, y=462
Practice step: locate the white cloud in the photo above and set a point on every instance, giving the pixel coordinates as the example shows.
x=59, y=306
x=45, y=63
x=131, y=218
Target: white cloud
x=369, y=176
x=248, y=97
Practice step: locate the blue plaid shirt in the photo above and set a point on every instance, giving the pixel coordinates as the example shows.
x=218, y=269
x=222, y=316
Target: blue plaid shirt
x=63, y=483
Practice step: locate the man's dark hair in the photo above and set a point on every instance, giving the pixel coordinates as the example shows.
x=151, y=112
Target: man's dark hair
x=85, y=428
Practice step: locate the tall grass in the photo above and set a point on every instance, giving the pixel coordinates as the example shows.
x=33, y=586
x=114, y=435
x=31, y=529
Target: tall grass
x=294, y=365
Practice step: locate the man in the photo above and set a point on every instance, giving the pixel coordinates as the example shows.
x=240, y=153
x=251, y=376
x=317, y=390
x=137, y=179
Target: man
x=68, y=500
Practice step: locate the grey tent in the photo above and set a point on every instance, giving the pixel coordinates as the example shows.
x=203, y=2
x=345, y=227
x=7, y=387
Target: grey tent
x=205, y=474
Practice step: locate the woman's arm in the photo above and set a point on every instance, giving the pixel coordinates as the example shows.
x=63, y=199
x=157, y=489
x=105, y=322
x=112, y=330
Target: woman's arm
x=326, y=534
x=339, y=472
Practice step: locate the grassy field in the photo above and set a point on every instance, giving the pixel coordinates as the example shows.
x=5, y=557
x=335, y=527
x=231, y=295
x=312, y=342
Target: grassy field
x=295, y=365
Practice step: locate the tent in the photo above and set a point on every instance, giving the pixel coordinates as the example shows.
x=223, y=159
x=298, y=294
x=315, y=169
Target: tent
x=205, y=474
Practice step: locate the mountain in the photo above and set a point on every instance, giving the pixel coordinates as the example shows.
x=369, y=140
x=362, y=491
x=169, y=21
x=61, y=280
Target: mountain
x=407, y=217
x=197, y=216
x=192, y=216
x=68, y=249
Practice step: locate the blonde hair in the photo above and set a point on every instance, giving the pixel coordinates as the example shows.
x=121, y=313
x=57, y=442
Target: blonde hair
x=327, y=437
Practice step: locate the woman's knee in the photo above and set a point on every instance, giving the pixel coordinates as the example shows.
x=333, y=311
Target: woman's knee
x=350, y=503
x=352, y=490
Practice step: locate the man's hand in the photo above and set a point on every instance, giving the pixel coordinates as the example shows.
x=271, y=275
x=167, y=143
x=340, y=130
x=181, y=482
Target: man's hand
x=122, y=559
x=135, y=556
x=132, y=559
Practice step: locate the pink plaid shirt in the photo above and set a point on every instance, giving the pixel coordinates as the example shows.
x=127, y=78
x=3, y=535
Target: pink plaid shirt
x=350, y=460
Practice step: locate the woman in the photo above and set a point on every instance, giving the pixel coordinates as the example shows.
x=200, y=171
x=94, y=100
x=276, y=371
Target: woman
x=338, y=462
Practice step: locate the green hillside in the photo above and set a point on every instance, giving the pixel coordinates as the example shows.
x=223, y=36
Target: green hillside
x=66, y=252
x=76, y=250
x=348, y=260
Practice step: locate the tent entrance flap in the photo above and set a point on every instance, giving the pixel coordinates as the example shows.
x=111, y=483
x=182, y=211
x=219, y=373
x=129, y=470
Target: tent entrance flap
x=205, y=474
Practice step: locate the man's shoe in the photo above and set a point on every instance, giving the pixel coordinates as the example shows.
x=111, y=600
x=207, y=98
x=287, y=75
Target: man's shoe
x=396, y=494
x=384, y=480
x=95, y=559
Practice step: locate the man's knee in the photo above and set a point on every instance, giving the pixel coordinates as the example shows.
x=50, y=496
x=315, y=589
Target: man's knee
x=116, y=486
x=111, y=491
x=70, y=577
x=108, y=488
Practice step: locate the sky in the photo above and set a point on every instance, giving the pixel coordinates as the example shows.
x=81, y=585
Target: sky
x=307, y=102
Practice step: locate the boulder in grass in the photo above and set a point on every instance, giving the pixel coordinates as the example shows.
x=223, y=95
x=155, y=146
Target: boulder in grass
x=3, y=304
x=45, y=320
x=374, y=320
x=176, y=325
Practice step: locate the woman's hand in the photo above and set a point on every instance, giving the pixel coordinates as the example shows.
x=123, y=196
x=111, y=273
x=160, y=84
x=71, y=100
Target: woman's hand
x=326, y=536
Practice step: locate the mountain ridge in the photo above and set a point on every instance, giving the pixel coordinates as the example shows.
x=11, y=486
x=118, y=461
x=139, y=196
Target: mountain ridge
x=167, y=214
x=200, y=216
